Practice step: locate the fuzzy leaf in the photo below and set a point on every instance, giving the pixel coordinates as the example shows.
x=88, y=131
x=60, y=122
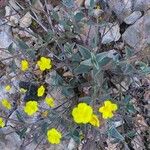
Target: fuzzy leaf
x=86, y=54
x=113, y=132
x=82, y=69
x=11, y=49
x=68, y=3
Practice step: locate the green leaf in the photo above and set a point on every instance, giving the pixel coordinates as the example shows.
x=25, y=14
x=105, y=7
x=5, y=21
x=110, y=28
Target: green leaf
x=22, y=132
x=67, y=91
x=69, y=48
x=87, y=62
x=131, y=134
x=94, y=61
x=79, y=16
x=101, y=56
x=86, y=54
x=68, y=3
x=11, y=49
x=22, y=45
x=31, y=53
x=127, y=98
x=13, y=66
x=129, y=52
x=86, y=99
x=113, y=132
x=146, y=70
x=130, y=108
x=99, y=60
x=128, y=69
x=48, y=37
x=75, y=134
x=90, y=3
x=82, y=69
x=76, y=57
x=19, y=116
x=96, y=73
x=55, y=15
x=104, y=61
x=56, y=80
x=44, y=127
x=33, y=2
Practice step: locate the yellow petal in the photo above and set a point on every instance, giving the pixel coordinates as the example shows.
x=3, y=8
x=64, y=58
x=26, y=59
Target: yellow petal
x=114, y=107
x=54, y=136
x=7, y=88
x=41, y=91
x=6, y=104
x=82, y=113
x=49, y=101
x=24, y=65
x=101, y=109
x=22, y=90
x=94, y=121
x=2, y=124
x=31, y=108
x=107, y=115
x=107, y=103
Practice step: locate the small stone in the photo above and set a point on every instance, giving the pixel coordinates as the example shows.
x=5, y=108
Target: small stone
x=122, y=8
x=142, y=5
x=26, y=20
x=133, y=17
x=119, y=46
x=138, y=35
x=13, y=20
x=38, y=6
x=110, y=32
x=72, y=144
x=5, y=37
x=14, y=5
x=11, y=141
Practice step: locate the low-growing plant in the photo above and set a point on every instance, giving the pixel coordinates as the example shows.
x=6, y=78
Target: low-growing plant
x=96, y=83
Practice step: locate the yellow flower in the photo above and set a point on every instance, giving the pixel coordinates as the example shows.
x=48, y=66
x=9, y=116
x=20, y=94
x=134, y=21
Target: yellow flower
x=22, y=90
x=2, y=124
x=6, y=104
x=24, y=65
x=54, y=136
x=7, y=88
x=94, y=121
x=107, y=109
x=98, y=7
x=31, y=108
x=41, y=91
x=49, y=101
x=82, y=113
x=44, y=63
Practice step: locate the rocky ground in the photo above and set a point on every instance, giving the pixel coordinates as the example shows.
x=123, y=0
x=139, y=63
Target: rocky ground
x=129, y=26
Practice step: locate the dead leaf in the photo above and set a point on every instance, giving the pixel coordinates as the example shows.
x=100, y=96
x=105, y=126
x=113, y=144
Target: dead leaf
x=111, y=145
x=79, y=2
x=138, y=143
x=54, y=2
x=38, y=6
x=68, y=74
x=140, y=123
x=3, y=3
x=147, y=95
